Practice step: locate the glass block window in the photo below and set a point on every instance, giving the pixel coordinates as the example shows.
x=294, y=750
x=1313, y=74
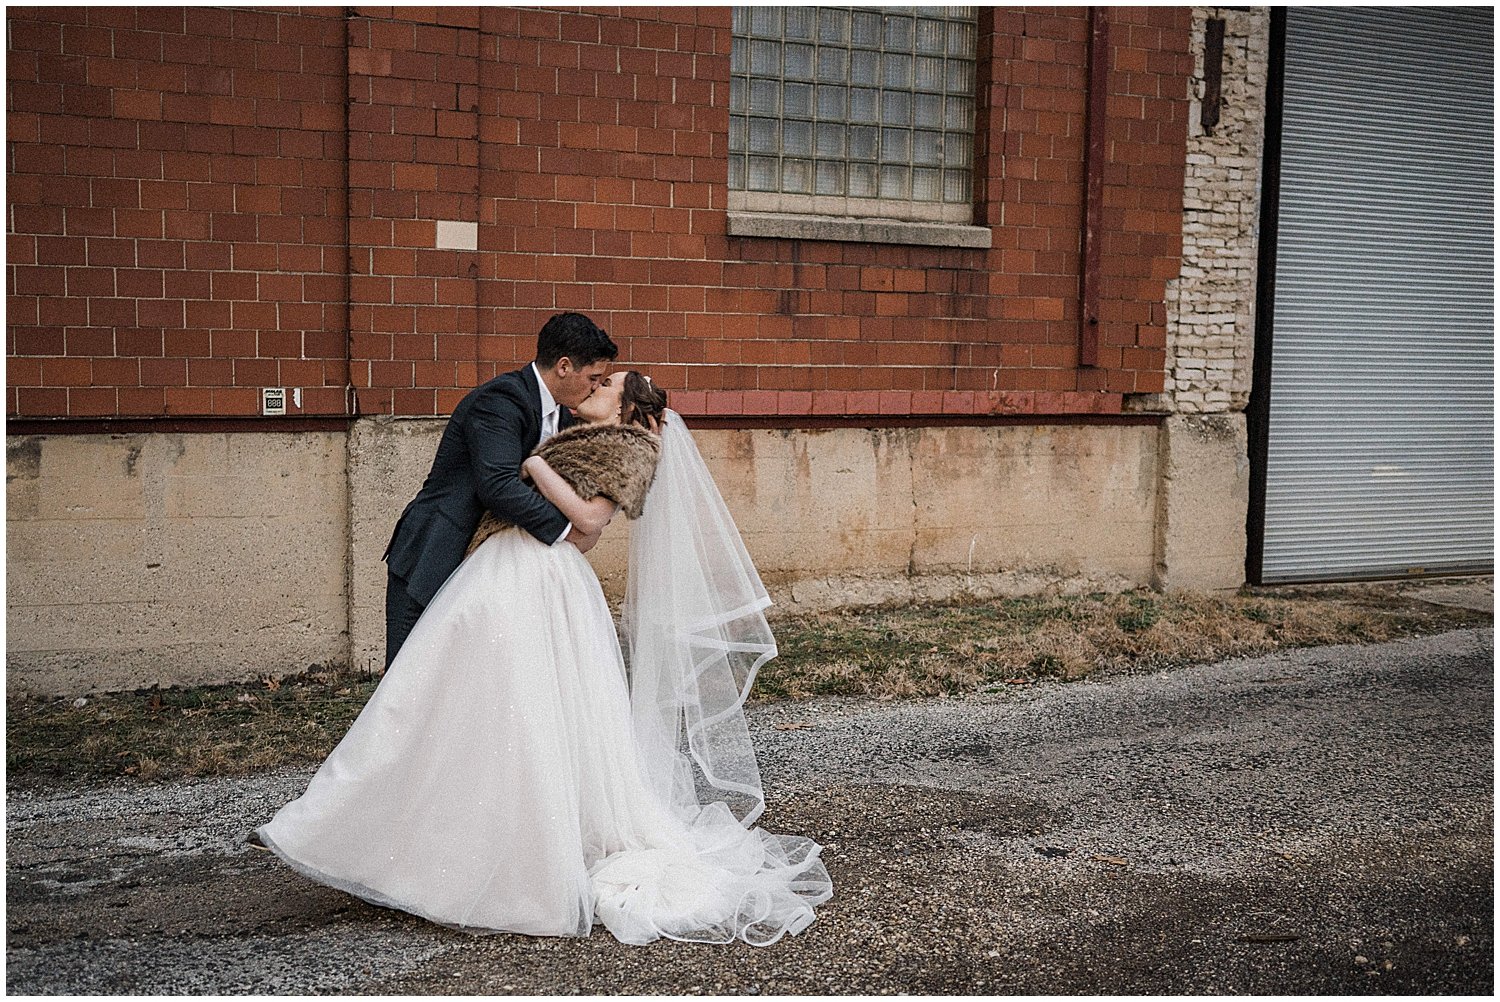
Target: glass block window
x=854, y=103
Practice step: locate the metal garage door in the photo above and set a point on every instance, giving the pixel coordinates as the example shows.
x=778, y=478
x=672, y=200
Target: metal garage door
x=1380, y=455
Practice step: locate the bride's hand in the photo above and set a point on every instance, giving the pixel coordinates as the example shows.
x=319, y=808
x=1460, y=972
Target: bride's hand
x=583, y=540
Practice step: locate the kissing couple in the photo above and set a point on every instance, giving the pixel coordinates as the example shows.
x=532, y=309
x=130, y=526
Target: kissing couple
x=509, y=773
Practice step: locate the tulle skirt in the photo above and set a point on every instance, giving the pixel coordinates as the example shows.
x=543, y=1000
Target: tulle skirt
x=492, y=782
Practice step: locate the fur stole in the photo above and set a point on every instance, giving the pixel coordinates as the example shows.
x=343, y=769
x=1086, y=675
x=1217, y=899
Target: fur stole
x=617, y=461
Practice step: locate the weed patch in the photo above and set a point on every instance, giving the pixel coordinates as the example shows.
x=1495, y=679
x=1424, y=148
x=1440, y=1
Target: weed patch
x=886, y=653
x=169, y=733
x=928, y=650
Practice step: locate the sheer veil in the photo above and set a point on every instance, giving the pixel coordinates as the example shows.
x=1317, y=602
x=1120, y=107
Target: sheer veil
x=695, y=634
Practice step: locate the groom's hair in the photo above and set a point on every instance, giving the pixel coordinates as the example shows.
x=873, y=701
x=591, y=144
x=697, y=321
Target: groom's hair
x=574, y=336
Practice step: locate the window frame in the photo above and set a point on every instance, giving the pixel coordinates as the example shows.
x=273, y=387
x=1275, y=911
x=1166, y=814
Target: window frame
x=843, y=216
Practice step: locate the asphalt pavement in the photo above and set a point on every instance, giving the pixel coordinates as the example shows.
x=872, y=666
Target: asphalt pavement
x=1318, y=821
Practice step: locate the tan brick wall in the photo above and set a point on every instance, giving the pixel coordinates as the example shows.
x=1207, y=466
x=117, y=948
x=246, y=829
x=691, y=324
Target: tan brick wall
x=1210, y=333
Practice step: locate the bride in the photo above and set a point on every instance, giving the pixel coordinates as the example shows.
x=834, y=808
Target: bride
x=508, y=775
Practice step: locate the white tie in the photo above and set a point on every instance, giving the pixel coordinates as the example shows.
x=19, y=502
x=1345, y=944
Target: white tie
x=549, y=424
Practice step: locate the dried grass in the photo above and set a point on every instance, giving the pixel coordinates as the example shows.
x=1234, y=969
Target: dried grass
x=898, y=652
x=906, y=651
x=168, y=733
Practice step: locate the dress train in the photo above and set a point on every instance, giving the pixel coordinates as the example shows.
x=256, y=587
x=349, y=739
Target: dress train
x=493, y=782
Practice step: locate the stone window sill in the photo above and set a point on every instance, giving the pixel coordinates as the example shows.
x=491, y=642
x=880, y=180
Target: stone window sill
x=799, y=226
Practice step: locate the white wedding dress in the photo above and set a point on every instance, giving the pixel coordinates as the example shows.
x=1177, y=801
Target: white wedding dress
x=501, y=778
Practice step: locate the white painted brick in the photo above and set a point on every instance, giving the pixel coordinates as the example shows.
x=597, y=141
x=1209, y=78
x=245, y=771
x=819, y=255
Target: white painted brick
x=1211, y=303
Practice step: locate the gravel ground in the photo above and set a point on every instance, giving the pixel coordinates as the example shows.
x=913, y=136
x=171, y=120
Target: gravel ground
x=1318, y=821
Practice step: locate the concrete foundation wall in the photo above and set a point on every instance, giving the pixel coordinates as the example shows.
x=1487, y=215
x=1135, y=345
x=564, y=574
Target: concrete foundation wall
x=1204, y=499
x=178, y=559
x=852, y=516
x=388, y=460
x=140, y=559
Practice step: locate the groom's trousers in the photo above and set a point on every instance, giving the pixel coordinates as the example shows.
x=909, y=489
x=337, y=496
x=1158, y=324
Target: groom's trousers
x=401, y=614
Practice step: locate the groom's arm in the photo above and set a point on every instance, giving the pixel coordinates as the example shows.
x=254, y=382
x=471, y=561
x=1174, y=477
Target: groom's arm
x=493, y=434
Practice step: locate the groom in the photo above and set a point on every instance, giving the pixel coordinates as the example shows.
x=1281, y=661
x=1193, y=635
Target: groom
x=478, y=467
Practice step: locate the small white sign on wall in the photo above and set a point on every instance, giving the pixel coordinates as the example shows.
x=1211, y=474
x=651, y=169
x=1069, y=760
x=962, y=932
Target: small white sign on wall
x=452, y=235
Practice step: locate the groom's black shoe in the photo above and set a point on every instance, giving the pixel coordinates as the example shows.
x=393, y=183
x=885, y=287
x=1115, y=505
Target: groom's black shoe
x=253, y=840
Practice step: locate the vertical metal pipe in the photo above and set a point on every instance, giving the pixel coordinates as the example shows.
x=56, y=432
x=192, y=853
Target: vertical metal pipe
x=351, y=398
x=1213, y=73
x=1096, y=129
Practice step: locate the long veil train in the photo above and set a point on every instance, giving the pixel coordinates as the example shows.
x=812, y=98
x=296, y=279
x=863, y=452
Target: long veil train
x=695, y=634
x=694, y=629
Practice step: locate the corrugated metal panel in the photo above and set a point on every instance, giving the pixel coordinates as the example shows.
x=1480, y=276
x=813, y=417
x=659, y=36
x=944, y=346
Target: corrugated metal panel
x=1381, y=436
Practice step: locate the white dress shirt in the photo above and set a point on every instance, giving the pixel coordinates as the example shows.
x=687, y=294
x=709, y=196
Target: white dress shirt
x=551, y=414
x=550, y=407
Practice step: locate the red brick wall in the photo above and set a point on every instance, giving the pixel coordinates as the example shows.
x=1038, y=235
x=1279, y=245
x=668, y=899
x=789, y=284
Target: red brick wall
x=178, y=214
x=175, y=187
x=1033, y=186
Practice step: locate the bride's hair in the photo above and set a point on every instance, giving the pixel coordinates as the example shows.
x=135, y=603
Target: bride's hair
x=641, y=399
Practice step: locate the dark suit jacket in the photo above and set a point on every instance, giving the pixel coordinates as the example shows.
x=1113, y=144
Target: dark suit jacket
x=478, y=466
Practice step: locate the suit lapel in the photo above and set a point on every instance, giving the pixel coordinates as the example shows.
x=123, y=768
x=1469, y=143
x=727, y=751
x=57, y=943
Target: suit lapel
x=532, y=431
x=533, y=392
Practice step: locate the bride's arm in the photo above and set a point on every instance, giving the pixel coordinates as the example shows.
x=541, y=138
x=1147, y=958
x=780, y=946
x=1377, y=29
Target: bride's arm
x=588, y=517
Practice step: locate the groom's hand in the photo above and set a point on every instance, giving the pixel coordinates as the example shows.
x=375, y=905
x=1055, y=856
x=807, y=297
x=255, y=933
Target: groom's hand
x=583, y=540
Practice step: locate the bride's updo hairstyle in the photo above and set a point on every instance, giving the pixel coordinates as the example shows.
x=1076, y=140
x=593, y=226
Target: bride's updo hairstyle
x=641, y=399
